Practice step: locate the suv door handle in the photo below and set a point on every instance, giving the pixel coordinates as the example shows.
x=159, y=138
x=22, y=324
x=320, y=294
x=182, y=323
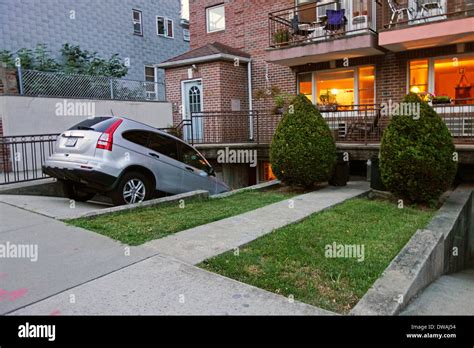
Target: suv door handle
x=190, y=169
x=154, y=155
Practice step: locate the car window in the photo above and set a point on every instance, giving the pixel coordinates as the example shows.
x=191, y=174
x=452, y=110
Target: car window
x=164, y=145
x=190, y=157
x=98, y=124
x=137, y=137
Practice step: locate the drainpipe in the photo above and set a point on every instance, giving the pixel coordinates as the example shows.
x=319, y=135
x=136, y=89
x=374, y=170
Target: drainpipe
x=249, y=78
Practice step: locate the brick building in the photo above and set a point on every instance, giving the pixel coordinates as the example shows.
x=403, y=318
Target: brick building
x=347, y=56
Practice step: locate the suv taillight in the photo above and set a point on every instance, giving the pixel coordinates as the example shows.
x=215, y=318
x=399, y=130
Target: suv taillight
x=106, y=139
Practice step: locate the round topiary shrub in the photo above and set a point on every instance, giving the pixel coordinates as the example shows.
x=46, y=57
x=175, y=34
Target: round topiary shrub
x=303, y=151
x=417, y=154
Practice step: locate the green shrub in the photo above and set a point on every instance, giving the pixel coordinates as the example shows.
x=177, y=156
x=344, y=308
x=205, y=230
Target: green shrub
x=303, y=151
x=417, y=155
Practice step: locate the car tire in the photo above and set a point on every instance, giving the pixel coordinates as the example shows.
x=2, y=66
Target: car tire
x=134, y=187
x=72, y=191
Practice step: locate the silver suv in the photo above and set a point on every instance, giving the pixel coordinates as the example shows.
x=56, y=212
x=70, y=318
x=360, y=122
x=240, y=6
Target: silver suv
x=127, y=160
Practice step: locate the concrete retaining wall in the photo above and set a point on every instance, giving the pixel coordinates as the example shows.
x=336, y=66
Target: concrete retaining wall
x=446, y=246
x=34, y=115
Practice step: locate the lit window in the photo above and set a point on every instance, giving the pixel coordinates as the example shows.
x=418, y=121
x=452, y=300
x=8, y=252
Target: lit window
x=267, y=172
x=336, y=87
x=215, y=18
x=367, y=85
x=164, y=27
x=419, y=76
x=454, y=78
x=137, y=23
x=306, y=85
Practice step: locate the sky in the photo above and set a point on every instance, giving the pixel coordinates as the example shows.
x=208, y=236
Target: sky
x=185, y=9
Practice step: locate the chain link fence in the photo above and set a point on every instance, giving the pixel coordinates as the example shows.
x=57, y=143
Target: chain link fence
x=53, y=84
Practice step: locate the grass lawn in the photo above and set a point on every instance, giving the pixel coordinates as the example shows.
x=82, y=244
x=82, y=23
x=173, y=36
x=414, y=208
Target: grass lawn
x=135, y=227
x=291, y=260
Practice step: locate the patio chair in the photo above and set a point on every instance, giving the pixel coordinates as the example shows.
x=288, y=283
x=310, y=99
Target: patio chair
x=398, y=12
x=431, y=5
x=366, y=127
x=336, y=21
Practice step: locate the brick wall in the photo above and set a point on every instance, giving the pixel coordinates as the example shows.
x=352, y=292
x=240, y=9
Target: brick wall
x=246, y=29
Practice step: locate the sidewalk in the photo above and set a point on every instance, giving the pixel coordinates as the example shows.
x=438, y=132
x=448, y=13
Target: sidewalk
x=67, y=257
x=449, y=295
x=166, y=283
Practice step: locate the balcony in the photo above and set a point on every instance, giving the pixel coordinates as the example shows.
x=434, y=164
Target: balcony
x=416, y=24
x=361, y=125
x=311, y=32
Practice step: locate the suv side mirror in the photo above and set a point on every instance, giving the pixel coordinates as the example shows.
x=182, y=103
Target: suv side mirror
x=211, y=172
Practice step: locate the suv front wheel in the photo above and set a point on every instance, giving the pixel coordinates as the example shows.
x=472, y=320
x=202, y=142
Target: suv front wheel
x=133, y=188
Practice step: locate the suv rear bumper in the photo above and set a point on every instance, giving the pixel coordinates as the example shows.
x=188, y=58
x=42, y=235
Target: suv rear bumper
x=91, y=178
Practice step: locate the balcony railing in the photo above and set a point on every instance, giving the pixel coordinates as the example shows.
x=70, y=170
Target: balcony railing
x=407, y=13
x=308, y=23
x=354, y=124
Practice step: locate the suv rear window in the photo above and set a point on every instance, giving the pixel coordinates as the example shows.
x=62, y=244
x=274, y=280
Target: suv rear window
x=98, y=124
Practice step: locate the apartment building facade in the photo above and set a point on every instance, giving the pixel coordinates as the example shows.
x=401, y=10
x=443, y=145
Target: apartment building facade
x=142, y=32
x=348, y=57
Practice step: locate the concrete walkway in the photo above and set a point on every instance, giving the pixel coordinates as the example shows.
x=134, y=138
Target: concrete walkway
x=449, y=295
x=157, y=278
x=200, y=243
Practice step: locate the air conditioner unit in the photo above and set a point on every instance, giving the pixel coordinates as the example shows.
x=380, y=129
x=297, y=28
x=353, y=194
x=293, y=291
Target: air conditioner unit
x=360, y=22
x=322, y=8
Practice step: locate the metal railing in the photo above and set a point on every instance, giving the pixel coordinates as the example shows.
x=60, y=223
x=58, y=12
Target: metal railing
x=227, y=127
x=360, y=124
x=22, y=156
x=354, y=124
x=306, y=23
x=52, y=84
x=408, y=13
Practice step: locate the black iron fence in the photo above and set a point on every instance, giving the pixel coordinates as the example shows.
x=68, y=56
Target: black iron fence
x=21, y=157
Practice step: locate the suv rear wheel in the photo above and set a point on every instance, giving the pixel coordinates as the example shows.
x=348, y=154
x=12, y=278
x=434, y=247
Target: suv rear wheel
x=73, y=191
x=133, y=188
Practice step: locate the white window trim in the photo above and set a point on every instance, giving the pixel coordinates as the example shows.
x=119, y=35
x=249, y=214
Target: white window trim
x=188, y=39
x=207, y=19
x=431, y=69
x=135, y=22
x=166, y=20
x=356, y=81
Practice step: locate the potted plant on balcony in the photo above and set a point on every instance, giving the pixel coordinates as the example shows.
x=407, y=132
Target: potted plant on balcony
x=281, y=37
x=441, y=99
x=281, y=102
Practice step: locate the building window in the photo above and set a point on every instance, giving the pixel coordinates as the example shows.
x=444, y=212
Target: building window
x=367, y=85
x=266, y=172
x=451, y=77
x=186, y=35
x=419, y=76
x=151, y=82
x=345, y=87
x=137, y=23
x=164, y=27
x=215, y=18
x=305, y=85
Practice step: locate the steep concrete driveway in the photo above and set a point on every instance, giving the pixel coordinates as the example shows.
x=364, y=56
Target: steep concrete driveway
x=55, y=207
